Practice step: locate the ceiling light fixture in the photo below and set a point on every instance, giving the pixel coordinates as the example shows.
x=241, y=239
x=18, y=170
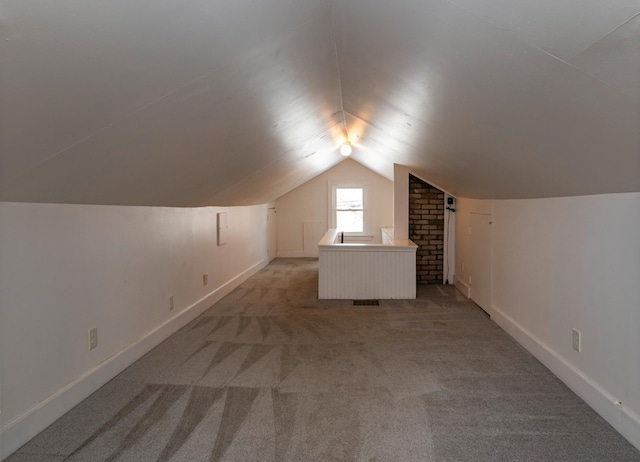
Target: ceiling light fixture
x=345, y=149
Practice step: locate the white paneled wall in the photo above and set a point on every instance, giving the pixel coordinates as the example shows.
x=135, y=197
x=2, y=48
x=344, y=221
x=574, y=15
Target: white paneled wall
x=366, y=271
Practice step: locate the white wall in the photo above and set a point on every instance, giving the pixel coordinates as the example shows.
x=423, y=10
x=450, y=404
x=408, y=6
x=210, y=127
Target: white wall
x=573, y=262
x=67, y=268
x=464, y=209
x=310, y=203
x=401, y=201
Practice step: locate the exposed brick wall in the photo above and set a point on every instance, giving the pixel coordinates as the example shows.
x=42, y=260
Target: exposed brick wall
x=426, y=229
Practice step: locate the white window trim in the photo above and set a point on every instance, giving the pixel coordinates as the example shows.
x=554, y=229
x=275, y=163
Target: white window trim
x=333, y=185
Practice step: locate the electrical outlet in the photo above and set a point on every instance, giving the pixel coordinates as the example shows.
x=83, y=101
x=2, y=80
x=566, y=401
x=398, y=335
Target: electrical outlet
x=93, y=338
x=170, y=302
x=205, y=279
x=577, y=344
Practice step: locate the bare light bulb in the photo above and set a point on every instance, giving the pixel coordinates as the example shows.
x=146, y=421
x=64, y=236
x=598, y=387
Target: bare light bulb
x=345, y=149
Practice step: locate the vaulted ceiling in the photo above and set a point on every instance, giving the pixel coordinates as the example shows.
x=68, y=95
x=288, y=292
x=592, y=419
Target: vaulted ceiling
x=232, y=102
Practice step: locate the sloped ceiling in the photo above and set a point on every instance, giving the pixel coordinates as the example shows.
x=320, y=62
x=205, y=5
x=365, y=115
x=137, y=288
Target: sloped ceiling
x=201, y=102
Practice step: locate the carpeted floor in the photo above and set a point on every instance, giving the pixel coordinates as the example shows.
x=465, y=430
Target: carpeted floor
x=272, y=374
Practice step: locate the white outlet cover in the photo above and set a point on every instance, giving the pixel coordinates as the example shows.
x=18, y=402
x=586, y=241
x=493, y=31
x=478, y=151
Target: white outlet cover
x=576, y=340
x=93, y=338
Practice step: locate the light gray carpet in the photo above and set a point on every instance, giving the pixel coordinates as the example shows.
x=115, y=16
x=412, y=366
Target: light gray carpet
x=272, y=374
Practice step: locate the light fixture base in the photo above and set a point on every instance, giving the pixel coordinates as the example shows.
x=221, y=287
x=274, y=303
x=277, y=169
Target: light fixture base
x=346, y=149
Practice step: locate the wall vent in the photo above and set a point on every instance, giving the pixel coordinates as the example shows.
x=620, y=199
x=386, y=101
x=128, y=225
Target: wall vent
x=366, y=302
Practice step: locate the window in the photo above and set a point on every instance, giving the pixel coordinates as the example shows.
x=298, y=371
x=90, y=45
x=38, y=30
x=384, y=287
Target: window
x=348, y=211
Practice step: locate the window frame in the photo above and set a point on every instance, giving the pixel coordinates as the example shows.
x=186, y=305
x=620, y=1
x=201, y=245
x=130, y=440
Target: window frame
x=332, y=220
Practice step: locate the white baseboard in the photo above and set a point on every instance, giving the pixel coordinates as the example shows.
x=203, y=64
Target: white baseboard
x=290, y=254
x=623, y=419
x=462, y=286
x=21, y=429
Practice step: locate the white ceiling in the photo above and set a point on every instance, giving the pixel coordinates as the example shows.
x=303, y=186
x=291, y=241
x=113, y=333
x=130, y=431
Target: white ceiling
x=201, y=102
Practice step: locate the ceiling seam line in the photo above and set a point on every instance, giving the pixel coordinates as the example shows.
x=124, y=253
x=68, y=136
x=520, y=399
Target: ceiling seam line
x=616, y=90
x=526, y=42
x=605, y=35
x=557, y=58
x=335, y=47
